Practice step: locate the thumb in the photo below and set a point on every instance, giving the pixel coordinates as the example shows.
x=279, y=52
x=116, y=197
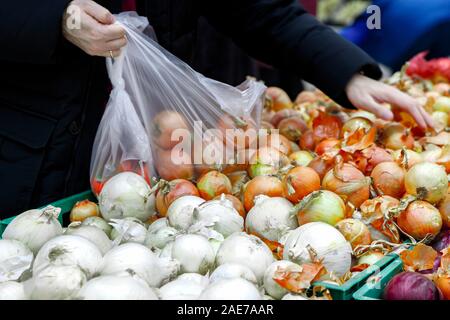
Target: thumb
x=100, y=13
x=377, y=109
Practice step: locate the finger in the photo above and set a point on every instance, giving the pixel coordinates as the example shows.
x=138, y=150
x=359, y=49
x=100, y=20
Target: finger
x=116, y=44
x=428, y=119
x=408, y=104
x=112, y=32
x=377, y=109
x=99, y=13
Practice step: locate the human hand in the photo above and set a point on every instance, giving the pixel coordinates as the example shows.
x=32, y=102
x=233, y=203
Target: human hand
x=368, y=94
x=97, y=35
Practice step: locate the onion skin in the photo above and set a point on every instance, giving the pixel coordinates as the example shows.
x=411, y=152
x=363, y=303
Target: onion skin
x=370, y=258
x=237, y=204
x=266, y=185
x=420, y=219
x=428, y=178
x=354, y=124
x=213, y=184
x=411, y=286
x=396, y=136
x=84, y=209
x=389, y=179
x=354, y=232
x=326, y=145
x=375, y=155
x=332, y=183
x=299, y=182
x=328, y=208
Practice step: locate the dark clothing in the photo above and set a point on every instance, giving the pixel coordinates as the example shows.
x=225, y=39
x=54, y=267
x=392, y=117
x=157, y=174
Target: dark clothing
x=52, y=95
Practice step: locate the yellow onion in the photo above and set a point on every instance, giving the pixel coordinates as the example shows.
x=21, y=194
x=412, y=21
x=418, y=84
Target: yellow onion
x=389, y=179
x=321, y=206
x=370, y=258
x=355, y=231
x=420, y=219
x=442, y=104
x=428, y=181
x=83, y=210
x=301, y=158
x=348, y=182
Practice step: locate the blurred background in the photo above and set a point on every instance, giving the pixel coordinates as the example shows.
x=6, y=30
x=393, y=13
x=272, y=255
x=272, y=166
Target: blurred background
x=407, y=28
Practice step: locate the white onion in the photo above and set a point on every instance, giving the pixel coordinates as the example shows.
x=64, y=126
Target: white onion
x=195, y=278
x=128, y=230
x=271, y=217
x=116, y=288
x=127, y=194
x=98, y=222
x=166, y=252
x=218, y=215
x=15, y=259
x=292, y=296
x=136, y=259
x=93, y=234
x=35, y=227
x=215, y=243
x=158, y=224
x=180, y=212
x=271, y=286
x=11, y=290
x=57, y=283
x=231, y=289
x=69, y=251
x=185, y=287
x=194, y=253
x=329, y=244
x=159, y=237
x=233, y=270
x=247, y=250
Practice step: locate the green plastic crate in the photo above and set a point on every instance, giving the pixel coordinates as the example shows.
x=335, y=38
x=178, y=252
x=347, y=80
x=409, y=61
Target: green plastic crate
x=65, y=204
x=373, y=289
x=346, y=290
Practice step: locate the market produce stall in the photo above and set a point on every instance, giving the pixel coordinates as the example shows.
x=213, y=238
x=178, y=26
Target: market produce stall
x=311, y=208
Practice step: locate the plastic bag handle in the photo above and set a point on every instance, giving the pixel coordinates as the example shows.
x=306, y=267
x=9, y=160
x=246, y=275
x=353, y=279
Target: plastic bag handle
x=115, y=66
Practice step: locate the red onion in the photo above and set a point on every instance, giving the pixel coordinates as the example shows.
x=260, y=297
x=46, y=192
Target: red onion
x=441, y=241
x=411, y=286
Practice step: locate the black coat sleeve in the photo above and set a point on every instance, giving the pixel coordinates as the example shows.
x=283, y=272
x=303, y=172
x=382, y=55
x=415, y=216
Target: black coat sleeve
x=282, y=33
x=30, y=30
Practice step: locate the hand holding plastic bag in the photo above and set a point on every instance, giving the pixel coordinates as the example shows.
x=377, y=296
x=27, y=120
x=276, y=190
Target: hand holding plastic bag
x=160, y=114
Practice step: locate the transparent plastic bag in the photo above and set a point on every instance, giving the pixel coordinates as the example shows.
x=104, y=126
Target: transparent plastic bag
x=160, y=114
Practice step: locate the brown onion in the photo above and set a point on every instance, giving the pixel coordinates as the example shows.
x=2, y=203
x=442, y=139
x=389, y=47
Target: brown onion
x=428, y=181
x=389, y=179
x=396, y=136
x=420, y=219
x=266, y=185
x=299, y=182
x=83, y=210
